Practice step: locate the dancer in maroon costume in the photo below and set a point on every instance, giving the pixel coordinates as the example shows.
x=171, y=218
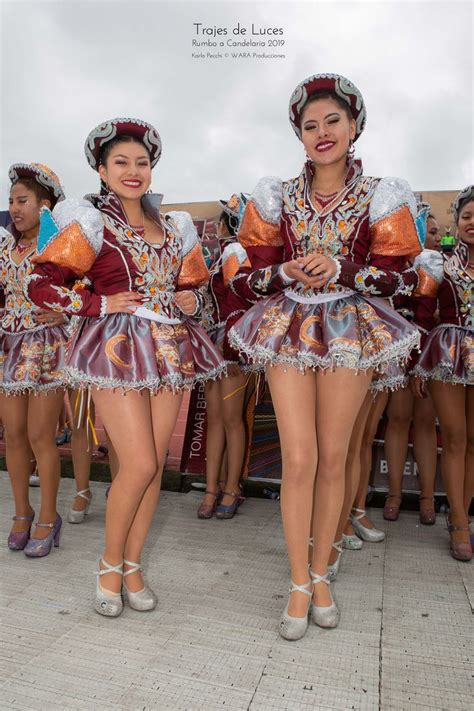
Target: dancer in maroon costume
x=322, y=248
x=136, y=346
x=33, y=344
x=446, y=363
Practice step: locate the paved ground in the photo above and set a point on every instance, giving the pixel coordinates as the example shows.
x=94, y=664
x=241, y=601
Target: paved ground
x=405, y=639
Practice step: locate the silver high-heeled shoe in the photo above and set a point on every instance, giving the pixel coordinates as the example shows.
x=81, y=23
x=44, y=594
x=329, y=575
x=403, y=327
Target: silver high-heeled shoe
x=293, y=628
x=143, y=600
x=108, y=603
x=79, y=516
x=351, y=543
x=327, y=616
x=333, y=569
x=374, y=535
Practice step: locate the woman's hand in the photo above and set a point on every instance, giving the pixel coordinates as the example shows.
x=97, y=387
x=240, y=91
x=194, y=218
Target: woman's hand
x=124, y=303
x=312, y=270
x=418, y=388
x=50, y=318
x=186, y=301
x=319, y=267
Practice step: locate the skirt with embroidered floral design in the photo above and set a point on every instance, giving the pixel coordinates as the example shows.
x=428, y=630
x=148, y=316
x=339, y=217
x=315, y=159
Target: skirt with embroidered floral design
x=33, y=361
x=133, y=353
x=351, y=332
x=447, y=355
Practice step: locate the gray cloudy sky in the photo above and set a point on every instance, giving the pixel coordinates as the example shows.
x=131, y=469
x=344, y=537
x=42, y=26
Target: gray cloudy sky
x=68, y=65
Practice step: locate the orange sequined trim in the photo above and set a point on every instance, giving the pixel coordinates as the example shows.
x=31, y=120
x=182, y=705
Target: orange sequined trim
x=254, y=231
x=69, y=249
x=427, y=286
x=395, y=235
x=193, y=269
x=230, y=268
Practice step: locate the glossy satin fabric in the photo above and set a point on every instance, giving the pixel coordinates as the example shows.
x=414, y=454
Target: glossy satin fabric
x=352, y=332
x=129, y=352
x=448, y=355
x=33, y=361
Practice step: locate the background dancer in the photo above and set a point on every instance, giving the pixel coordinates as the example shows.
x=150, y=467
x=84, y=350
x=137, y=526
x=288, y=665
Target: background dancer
x=32, y=346
x=446, y=364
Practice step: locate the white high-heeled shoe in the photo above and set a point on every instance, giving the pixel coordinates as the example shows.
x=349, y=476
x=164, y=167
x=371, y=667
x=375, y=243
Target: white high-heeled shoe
x=74, y=516
x=293, y=628
x=373, y=535
x=327, y=616
x=333, y=569
x=143, y=600
x=108, y=603
x=352, y=543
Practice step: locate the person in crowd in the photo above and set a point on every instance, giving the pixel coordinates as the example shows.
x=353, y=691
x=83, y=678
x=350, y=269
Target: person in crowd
x=137, y=346
x=226, y=399
x=32, y=349
x=321, y=246
x=403, y=409
x=445, y=367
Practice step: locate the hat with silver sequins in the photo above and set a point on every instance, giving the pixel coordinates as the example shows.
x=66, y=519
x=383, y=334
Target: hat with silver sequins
x=341, y=86
x=108, y=130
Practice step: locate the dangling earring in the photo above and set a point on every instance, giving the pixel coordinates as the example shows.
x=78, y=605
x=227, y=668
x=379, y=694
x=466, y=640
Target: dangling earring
x=351, y=150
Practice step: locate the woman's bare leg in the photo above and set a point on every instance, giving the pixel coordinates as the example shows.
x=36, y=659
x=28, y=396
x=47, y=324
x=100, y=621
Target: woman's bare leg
x=81, y=448
x=164, y=412
x=373, y=419
x=399, y=414
x=352, y=470
x=469, y=476
x=112, y=456
x=450, y=405
x=233, y=399
x=215, y=438
x=127, y=419
x=43, y=414
x=294, y=400
x=425, y=448
x=339, y=397
x=18, y=454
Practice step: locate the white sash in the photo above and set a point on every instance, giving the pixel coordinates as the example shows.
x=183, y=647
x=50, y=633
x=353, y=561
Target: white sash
x=143, y=312
x=318, y=298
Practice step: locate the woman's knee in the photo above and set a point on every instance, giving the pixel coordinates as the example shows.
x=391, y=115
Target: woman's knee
x=454, y=440
x=16, y=437
x=41, y=437
x=299, y=467
x=332, y=461
x=141, y=473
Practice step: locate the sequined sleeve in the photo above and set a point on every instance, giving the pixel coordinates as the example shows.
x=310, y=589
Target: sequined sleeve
x=193, y=274
x=260, y=236
x=68, y=242
x=395, y=237
x=429, y=266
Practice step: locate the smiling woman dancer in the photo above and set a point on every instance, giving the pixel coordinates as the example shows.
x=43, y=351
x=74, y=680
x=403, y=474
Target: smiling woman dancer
x=332, y=239
x=134, y=347
x=446, y=364
x=33, y=343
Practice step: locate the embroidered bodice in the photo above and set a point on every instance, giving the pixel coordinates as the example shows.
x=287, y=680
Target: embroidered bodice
x=18, y=314
x=446, y=286
x=122, y=260
x=369, y=228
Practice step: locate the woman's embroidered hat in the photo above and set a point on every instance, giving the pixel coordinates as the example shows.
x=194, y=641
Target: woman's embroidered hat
x=461, y=199
x=43, y=175
x=341, y=86
x=108, y=130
